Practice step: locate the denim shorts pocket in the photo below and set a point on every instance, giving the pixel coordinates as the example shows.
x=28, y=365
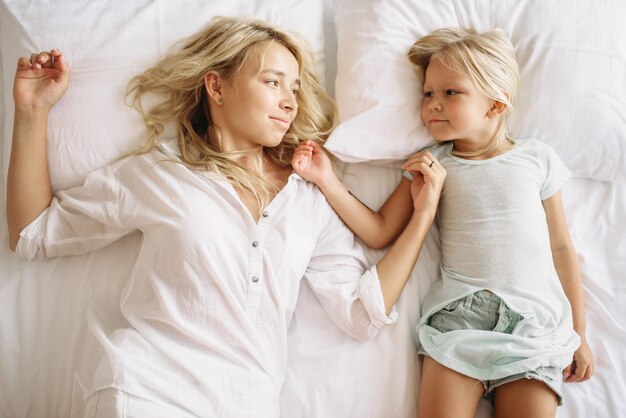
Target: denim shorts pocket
x=443, y=319
x=452, y=306
x=507, y=321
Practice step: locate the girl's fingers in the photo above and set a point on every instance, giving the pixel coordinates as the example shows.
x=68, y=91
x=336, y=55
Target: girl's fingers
x=586, y=373
x=580, y=373
x=300, y=157
x=315, y=147
x=302, y=153
x=296, y=161
x=567, y=372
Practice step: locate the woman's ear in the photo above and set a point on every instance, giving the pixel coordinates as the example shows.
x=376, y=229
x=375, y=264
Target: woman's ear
x=213, y=84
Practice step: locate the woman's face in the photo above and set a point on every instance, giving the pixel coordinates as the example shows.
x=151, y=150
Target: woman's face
x=259, y=103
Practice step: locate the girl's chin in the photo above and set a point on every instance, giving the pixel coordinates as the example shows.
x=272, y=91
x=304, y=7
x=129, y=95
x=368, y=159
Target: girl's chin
x=440, y=138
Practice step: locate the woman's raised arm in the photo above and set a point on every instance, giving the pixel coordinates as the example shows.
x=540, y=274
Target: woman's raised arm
x=40, y=81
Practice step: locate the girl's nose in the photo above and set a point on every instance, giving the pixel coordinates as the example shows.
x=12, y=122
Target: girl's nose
x=435, y=105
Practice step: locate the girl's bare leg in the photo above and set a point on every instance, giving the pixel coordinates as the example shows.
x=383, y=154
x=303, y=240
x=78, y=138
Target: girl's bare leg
x=525, y=398
x=445, y=393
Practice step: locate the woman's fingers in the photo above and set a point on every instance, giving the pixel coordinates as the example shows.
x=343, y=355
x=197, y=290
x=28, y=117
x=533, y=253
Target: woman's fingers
x=40, y=79
x=424, y=164
x=421, y=157
x=43, y=59
x=23, y=63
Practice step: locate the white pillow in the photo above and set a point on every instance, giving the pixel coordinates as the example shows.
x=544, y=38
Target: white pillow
x=106, y=43
x=572, y=57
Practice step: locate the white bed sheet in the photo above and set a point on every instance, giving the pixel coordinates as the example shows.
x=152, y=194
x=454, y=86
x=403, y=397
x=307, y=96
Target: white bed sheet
x=44, y=335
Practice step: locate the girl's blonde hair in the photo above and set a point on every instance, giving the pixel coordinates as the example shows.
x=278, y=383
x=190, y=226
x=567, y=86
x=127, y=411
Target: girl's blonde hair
x=487, y=58
x=177, y=81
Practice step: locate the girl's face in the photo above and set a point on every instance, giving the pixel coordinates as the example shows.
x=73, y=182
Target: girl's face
x=454, y=109
x=259, y=103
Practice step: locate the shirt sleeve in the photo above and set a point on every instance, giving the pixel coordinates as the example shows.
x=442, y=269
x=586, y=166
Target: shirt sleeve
x=78, y=220
x=555, y=173
x=349, y=292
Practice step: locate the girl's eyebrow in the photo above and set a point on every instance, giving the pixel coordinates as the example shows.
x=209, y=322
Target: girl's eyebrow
x=279, y=74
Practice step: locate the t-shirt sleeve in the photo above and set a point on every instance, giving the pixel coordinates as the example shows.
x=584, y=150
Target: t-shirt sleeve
x=555, y=173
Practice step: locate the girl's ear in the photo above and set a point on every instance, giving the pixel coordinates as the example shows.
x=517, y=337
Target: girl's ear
x=213, y=84
x=497, y=108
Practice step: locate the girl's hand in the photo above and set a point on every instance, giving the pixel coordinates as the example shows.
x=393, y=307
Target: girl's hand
x=40, y=80
x=582, y=366
x=311, y=162
x=428, y=178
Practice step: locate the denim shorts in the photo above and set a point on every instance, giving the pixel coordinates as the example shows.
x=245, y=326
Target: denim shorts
x=484, y=310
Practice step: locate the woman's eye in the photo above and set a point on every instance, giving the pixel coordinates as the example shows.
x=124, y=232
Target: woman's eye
x=295, y=92
x=273, y=82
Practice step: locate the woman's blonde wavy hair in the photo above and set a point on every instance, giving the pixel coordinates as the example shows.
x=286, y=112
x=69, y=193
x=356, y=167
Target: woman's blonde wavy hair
x=177, y=81
x=487, y=58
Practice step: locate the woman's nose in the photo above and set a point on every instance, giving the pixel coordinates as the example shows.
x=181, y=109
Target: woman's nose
x=289, y=102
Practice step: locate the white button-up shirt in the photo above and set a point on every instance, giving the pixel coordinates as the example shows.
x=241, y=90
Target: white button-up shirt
x=212, y=292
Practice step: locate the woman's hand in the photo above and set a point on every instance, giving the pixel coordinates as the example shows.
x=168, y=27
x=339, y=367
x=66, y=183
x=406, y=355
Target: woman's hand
x=428, y=178
x=582, y=366
x=311, y=162
x=40, y=80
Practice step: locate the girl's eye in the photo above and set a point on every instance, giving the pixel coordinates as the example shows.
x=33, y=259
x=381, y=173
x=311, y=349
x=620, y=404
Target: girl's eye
x=428, y=94
x=451, y=92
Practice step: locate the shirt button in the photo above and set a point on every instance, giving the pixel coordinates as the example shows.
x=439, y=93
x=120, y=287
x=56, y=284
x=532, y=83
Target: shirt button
x=255, y=279
x=265, y=214
x=255, y=243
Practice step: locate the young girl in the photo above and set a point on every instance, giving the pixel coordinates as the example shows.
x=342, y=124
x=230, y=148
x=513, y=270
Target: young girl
x=499, y=315
x=228, y=230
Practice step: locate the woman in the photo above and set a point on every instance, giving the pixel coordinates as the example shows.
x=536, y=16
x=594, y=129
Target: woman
x=228, y=229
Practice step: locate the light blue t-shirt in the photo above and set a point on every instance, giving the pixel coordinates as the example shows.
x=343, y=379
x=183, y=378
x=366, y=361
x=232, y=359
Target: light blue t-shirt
x=494, y=236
